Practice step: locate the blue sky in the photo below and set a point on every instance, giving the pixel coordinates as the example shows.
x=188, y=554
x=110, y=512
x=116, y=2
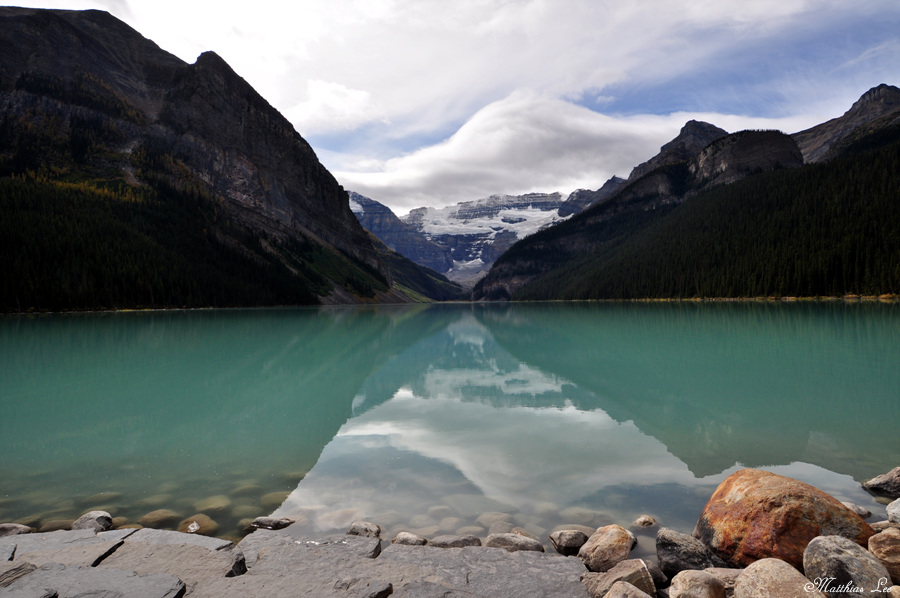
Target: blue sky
x=427, y=102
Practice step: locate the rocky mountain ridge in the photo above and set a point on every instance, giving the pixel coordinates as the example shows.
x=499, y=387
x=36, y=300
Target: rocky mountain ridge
x=86, y=98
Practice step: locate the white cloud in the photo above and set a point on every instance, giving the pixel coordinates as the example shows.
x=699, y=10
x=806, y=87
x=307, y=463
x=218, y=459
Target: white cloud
x=330, y=106
x=527, y=142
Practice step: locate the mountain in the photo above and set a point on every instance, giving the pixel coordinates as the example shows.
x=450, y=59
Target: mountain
x=876, y=109
x=476, y=233
x=378, y=219
x=742, y=217
x=693, y=137
x=582, y=199
x=163, y=183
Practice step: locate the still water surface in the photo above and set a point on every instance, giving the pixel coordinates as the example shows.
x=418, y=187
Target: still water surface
x=424, y=417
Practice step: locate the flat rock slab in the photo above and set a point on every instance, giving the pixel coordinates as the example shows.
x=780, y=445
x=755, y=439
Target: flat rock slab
x=169, y=537
x=69, y=581
x=77, y=547
x=483, y=571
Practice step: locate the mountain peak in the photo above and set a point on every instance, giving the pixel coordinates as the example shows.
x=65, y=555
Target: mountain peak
x=883, y=96
x=693, y=137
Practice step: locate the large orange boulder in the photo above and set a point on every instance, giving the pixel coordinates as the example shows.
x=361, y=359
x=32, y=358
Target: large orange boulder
x=755, y=514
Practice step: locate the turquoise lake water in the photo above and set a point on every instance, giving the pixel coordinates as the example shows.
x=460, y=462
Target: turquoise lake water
x=424, y=417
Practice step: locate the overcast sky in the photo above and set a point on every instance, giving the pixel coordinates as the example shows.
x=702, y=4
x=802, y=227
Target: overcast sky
x=431, y=102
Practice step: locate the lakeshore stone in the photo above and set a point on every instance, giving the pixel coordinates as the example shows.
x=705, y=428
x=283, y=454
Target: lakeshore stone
x=645, y=521
x=727, y=576
x=861, y=511
x=273, y=522
x=450, y=524
x=118, y=522
x=199, y=524
x=14, y=529
x=567, y=542
x=441, y=511
x=660, y=579
x=213, y=505
x=54, y=579
x=692, y=583
x=774, y=578
x=847, y=563
x=501, y=527
x=678, y=552
x=880, y=526
x=364, y=528
x=606, y=547
x=623, y=589
x=160, y=518
x=422, y=520
x=99, y=521
x=585, y=516
x=587, y=531
x=886, y=484
x=756, y=514
x=454, y=541
x=101, y=498
x=893, y=511
x=193, y=559
x=408, y=539
x=513, y=542
x=633, y=571
x=470, y=530
x=885, y=546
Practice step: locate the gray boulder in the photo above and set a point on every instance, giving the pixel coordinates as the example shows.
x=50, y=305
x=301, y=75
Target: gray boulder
x=14, y=529
x=607, y=546
x=623, y=589
x=365, y=529
x=568, y=542
x=847, y=566
x=886, y=484
x=272, y=522
x=409, y=539
x=678, y=552
x=455, y=541
x=893, y=511
x=774, y=578
x=513, y=542
x=99, y=521
x=54, y=579
x=632, y=571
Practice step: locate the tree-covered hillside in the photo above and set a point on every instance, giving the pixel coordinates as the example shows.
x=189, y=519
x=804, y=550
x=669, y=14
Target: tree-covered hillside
x=827, y=229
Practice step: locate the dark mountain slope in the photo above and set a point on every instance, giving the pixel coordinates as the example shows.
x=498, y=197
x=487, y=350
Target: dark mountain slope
x=87, y=101
x=824, y=230
x=636, y=204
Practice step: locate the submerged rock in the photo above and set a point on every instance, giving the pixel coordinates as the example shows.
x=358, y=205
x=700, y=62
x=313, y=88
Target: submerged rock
x=364, y=528
x=272, y=522
x=160, y=518
x=199, y=524
x=14, y=529
x=756, y=514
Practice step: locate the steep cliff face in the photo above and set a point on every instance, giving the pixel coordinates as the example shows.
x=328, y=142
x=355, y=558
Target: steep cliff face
x=582, y=199
x=877, y=108
x=693, y=137
x=734, y=157
x=83, y=93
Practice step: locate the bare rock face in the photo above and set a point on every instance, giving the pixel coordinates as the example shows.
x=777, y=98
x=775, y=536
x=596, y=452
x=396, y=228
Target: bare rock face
x=679, y=552
x=568, y=542
x=693, y=137
x=755, y=514
x=608, y=546
x=734, y=157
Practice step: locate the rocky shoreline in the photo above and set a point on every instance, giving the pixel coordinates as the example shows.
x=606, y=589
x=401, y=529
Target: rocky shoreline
x=760, y=535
